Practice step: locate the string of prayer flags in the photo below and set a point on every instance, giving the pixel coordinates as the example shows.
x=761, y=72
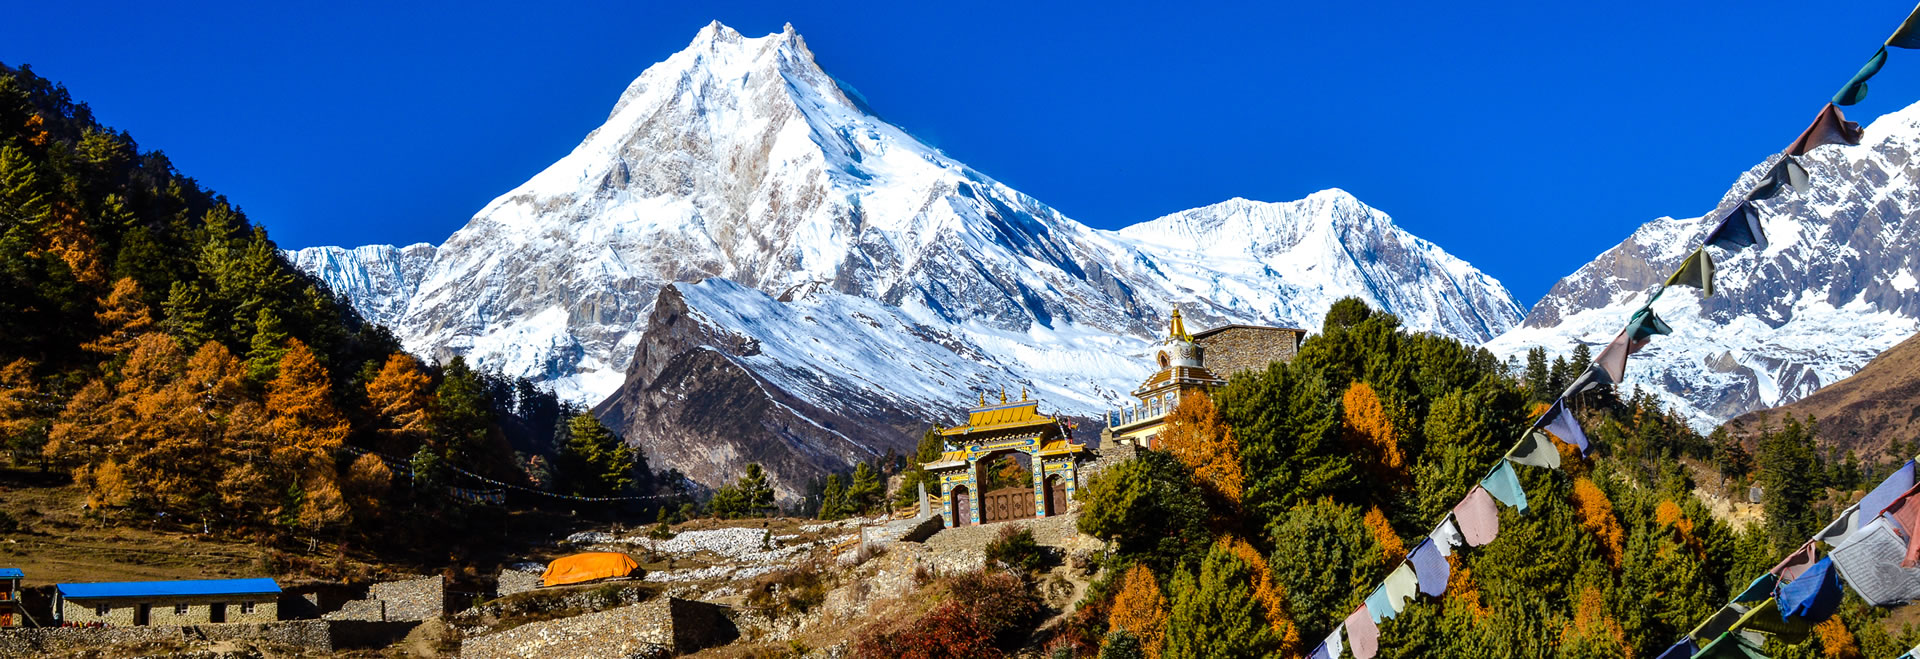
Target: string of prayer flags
x=1829, y=127
x=1760, y=589
x=1856, y=89
x=1504, y=485
x=1732, y=646
x=1842, y=527
x=1685, y=649
x=1718, y=624
x=1908, y=36
x=1905, y=512
x=1561, y=423
x=1430, y=566
x=1870, y=561
x=1888, y=491
x=1591, y=378
x=1479, y=521
x=1612, y=359
x=1795, y=563
x=1536, y=450
x=1363, y=636
x=1379, y=605
x=1814, y=595
x=1788, y=173
x=1331, y=648
x=1739, y=229
x=1765, y=618
x=1696, y=271
x=1401, y=586
x=1445, y=537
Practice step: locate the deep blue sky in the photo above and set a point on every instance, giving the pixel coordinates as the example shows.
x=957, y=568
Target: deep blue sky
x=1525, y=137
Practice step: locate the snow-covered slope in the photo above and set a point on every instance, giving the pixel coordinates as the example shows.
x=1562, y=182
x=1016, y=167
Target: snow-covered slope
x=741, y=160
x=1835, y=287
x=376, y=279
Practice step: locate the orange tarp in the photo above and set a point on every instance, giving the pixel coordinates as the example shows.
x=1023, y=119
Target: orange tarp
x=580, y=568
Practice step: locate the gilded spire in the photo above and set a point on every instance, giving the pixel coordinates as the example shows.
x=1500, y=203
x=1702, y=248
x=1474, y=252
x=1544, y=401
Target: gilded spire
x=1003, y=395
x=1179, y=329
x=983, y=398
x=1023, y=393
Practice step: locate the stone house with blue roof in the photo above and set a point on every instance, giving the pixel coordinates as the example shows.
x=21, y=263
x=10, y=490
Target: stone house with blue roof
x=167, y=603
x=10, y=613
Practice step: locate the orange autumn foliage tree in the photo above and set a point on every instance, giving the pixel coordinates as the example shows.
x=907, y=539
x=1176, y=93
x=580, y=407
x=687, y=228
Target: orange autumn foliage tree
x=1197, y=436
x=305, y=430
x=399, y=397
x=1141, y=609
x=1369, y=429
x=1669, y=515
x=1592, y=628
x=1462, y=589
x=1390, y=546
x=1836, y=642
x=1272, y=598
x=1596, y=516
x=124, y=316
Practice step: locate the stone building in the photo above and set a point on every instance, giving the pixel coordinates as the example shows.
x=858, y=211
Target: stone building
x=993, y=431
x=167, y=603
x=1195, y=364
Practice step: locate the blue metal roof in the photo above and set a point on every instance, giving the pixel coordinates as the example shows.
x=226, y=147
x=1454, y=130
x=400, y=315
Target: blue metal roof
x=168, y=588
x=12, y=573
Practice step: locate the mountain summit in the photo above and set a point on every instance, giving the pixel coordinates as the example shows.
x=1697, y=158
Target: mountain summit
x=745, y=228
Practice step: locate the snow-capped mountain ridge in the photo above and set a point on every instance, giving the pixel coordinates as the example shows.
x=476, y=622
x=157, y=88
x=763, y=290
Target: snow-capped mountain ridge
x=739, y=159
x=1821, y=300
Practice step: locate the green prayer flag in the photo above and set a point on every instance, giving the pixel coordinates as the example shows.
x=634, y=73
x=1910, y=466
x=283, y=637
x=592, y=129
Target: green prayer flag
x=1856, y=89
x=1908, y=36
x=1696, y=271
x=1644, y=325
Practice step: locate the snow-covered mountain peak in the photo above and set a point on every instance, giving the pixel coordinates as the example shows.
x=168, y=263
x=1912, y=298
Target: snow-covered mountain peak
x=740, y=162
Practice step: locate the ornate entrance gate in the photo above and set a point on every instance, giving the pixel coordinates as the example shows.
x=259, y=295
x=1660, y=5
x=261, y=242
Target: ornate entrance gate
x=1007, y=503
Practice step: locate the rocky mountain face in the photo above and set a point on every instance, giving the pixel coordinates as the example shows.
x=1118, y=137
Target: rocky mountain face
x=744, y=263
x=1867, y=412
x=1835, y=287
x=376, y=279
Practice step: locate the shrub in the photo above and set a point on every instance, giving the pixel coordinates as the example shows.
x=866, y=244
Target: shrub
x=1016, y=549
x=986, y=613
x=789, y=591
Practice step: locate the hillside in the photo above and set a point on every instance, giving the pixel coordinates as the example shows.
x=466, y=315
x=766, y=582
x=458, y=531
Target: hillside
x=1869, y=412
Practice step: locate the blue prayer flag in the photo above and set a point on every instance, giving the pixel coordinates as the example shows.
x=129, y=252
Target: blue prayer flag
x=1504, y=485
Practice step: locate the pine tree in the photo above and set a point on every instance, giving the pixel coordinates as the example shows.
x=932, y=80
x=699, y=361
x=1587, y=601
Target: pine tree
x=756, y=495
x=25, y=417
x=929, y=450
x=1786, y=458
x=1539, y=384
x=865, y=491
x=1150, y=508
x=461, y=415
x=399, y=399
x=186, y=314
x=833, y=499
x=1370, y=430
x=1215, y=615
x=603, y=464
x=267, y=348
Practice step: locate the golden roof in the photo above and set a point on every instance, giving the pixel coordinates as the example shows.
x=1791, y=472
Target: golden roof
x=1010, y=415
x=1059, y=446
x=1183, y=372
x=1177, y=329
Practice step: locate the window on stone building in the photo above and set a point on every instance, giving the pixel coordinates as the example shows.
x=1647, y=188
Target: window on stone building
x=179, y=609
x=101, y=609
x=246, y=607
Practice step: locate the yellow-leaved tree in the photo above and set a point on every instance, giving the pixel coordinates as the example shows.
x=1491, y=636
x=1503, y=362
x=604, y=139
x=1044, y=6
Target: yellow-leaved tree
x=305, y=429
x=1272, y=598
x=1141, y=609
x=1197, y=435
x=399, y=397
x=124, y=316
x=1370, y=430
x=1596, y=516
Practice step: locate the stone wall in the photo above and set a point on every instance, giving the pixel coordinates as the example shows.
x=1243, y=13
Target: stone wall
x=662, y=627
x=313, y=635
x=412, y=599
x=362, y=610
x=1238, y=348
x=516, y=581
x=162, y=611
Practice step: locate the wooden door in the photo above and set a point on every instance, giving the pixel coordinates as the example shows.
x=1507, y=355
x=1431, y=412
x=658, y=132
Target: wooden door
x=141, y=614
x=1056, y=496
x=1007, y=503
x=962, y=507
x=217, y=612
